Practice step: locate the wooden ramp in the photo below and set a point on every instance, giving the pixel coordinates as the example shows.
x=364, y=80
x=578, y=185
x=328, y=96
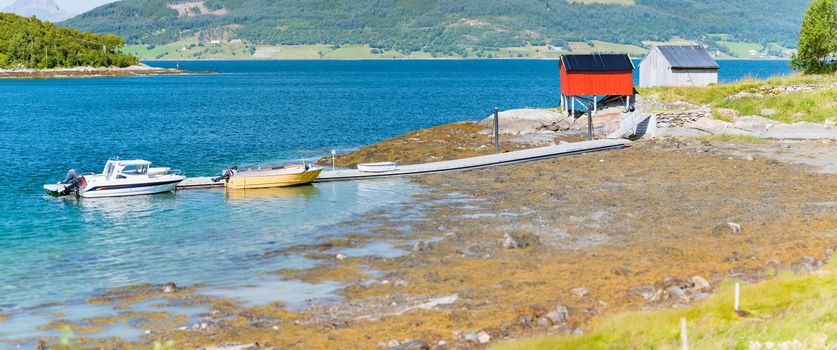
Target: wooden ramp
x=492, y=160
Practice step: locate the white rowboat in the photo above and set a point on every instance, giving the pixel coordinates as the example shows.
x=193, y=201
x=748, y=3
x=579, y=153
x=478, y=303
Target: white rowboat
x=381, y=167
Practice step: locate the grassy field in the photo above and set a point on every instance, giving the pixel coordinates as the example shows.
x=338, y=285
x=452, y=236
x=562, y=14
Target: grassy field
x=816, y=105
x=787, y=312
x=673, y=41
x=742, y=50
x=190, y=50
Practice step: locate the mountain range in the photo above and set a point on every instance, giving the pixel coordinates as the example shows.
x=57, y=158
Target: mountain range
x=451, y=26
x=46, y=10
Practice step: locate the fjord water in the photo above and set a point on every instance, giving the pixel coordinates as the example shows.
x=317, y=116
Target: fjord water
x=250, y=114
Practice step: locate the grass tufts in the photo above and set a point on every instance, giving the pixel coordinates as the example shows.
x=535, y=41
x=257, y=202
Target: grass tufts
x=788, y=309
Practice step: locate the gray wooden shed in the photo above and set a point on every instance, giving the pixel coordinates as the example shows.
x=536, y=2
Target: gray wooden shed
x=678, y=65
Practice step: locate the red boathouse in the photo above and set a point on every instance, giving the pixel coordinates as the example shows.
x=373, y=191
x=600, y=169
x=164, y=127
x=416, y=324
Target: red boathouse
x=597, y=75
x=586, y=78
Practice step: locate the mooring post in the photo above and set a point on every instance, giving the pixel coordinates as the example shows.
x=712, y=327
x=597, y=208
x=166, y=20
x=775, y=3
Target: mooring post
x=496, y=130
x=589, y=126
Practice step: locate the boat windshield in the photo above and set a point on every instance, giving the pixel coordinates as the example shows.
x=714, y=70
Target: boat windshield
x=109, y=170
x=135, y=169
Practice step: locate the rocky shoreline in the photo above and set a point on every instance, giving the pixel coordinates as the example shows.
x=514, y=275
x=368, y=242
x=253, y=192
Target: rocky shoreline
x=91, y=72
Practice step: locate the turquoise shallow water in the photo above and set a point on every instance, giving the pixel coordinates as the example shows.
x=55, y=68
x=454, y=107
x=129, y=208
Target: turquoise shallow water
x=252, y=113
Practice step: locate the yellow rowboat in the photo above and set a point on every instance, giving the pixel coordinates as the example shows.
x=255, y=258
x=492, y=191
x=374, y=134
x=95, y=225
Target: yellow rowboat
x=292, y=175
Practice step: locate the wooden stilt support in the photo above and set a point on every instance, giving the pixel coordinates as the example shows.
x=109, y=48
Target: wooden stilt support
x=573, y=107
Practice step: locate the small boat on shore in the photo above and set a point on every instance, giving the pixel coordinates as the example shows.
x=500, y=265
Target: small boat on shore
x=381, y=167
x=291, y=175
x=119, y=178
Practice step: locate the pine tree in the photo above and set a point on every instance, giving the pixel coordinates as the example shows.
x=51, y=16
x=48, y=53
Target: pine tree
x=818, y=39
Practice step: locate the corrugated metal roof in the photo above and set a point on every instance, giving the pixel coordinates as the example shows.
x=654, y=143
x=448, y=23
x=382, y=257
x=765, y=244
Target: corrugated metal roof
x=597, y=62
x=687, y=56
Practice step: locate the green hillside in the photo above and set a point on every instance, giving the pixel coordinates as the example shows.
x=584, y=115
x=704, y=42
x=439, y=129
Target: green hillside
x=30, y=43
x=449, y=27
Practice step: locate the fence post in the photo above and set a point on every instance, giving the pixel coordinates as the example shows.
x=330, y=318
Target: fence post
x=737, y=292
x=496, y=130
x=684, y=338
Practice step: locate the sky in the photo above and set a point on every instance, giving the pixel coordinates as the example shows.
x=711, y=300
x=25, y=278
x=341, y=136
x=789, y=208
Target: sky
x=72, y=6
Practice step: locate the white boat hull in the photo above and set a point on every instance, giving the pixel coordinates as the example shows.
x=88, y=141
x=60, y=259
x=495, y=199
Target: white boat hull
x=129, y=190
x=119, y=178
x=376, y=167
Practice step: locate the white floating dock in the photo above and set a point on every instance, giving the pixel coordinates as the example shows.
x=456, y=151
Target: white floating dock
x=492, y=160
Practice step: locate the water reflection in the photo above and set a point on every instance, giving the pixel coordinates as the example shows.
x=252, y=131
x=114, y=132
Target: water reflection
x=268, y=194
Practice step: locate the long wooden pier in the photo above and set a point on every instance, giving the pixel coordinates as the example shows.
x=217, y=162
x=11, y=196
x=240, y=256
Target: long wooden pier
x=492, y=160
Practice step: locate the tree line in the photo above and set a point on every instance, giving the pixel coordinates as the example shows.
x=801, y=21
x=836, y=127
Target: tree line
x=26, y=42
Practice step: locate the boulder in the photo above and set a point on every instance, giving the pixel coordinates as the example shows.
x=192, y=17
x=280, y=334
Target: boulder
x=769, y=112
x=734, y=227
x=558, y=315
x=420, y=246
x=805, y=265
x=645, y=291
x=754, y=123
x=676, y=292
x=725, y=113
x=714, y=126
x=580, y=292
x=700, y=284
x=411, y=345
x=519, y=240
x=483, y=337
x=524, y=121
x=169, y=288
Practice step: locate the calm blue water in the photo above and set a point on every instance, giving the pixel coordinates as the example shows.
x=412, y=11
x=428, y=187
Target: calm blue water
x=252, y=113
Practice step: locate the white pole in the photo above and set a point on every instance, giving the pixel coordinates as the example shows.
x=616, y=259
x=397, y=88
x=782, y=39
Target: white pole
x=737, y=292
x=595, y=105
x=684, y=338
x=628, y=103
x=333, y=153
x=573, y=107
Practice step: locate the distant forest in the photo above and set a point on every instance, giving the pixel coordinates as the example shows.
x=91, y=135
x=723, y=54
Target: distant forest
x=26, y=42
x=449, y=26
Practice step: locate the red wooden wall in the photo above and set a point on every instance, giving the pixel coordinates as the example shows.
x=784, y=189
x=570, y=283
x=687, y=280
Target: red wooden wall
x=596, y=83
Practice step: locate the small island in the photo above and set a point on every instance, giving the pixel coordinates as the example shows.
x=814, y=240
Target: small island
x=30, y=48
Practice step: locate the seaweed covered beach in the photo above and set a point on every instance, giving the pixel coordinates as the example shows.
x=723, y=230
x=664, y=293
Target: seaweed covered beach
x=537, y=249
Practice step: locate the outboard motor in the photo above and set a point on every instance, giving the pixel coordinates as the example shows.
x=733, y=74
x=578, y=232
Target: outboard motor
x=72, y=182
x=226, y=175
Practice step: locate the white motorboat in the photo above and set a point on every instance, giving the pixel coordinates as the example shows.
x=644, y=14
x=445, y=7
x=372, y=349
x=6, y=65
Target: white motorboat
x=119, y=178
x=381, y=167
